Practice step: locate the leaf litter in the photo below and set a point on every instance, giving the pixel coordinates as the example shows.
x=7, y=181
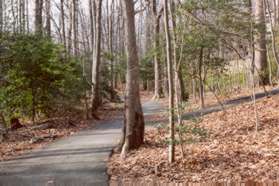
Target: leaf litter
x=232, y=151
x=32, y=137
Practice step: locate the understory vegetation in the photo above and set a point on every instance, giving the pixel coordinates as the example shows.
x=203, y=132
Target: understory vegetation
x=38, y=80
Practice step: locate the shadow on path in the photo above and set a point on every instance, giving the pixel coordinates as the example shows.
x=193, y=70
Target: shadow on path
x=81, y=159
x=77, y=160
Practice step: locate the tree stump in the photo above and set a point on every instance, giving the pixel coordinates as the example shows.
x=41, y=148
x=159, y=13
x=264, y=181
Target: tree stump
x=15, y=124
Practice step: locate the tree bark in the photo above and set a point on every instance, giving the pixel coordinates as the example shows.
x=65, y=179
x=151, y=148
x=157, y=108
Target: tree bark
x=39, y=17
x=63, y=23
x=134, y=120
x=201, y=89
x=158, y=91
x=96, y=99
x=48, y=17
x=273, y=40
x=75, y=27
x=260, y=42
x=170, y=83
x=1, y=17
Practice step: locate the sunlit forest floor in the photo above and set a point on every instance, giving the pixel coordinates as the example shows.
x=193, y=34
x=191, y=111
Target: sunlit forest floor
x=222, y=146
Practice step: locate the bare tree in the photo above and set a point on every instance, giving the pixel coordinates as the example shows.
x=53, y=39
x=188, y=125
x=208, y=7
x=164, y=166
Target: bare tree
x=39, y=16
x=62, y=17
x=170, y=83
x=260, y=41
x=1, y=17
x=133, y=136
x=158, y=91
x=48, y=17
x=75, y=26
x=96, y=99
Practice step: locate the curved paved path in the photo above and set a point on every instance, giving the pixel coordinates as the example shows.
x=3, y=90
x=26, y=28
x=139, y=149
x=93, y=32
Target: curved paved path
x=81, y=159
x=228, y=104
x=77, y=160
x=74, y=161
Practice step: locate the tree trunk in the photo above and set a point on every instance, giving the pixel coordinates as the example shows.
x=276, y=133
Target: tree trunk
x=110, y=45
x=260, y=42
x=96, y=61
x=201, y=79
x=170, y=84
x=63, y=22
x=39, y=17
x=75, y=26
x=158, y=91
x=177, y=67
x=48, y=18
x=273, y=41
x=1, y=17
x=2, y=127
x=70, y=29
x=134, y=120
x=27, y=15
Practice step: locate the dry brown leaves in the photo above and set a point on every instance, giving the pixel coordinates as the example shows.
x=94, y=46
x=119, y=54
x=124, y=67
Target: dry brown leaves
x=27, y=139
x=233, y=150
x=211, y=99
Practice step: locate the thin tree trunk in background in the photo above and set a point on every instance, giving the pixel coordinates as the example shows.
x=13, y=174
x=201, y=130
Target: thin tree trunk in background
x=21, y=16
x=75, y=27
x=134, y=120
x=27, y=16
x=177, y=70
x=63, y=23
x=158, y=91
x=110, y=36
x=92, y=30
x=48, y=17
x=96, y=99
x=170, y=84
x=194, y=89
x=269, y=65
x=201, y=89
x=273, y=38
x=260, y=42
x=1, y=17
x=165, y=86
x=70, y=29
x=39, y=17
x=13, y=17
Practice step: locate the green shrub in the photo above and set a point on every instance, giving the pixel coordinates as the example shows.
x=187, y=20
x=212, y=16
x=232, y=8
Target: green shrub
x=37, y=79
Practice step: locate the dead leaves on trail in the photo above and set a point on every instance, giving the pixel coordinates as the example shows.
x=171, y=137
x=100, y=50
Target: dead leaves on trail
x=33, y=137
x=232, y=151
x=25, y=139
